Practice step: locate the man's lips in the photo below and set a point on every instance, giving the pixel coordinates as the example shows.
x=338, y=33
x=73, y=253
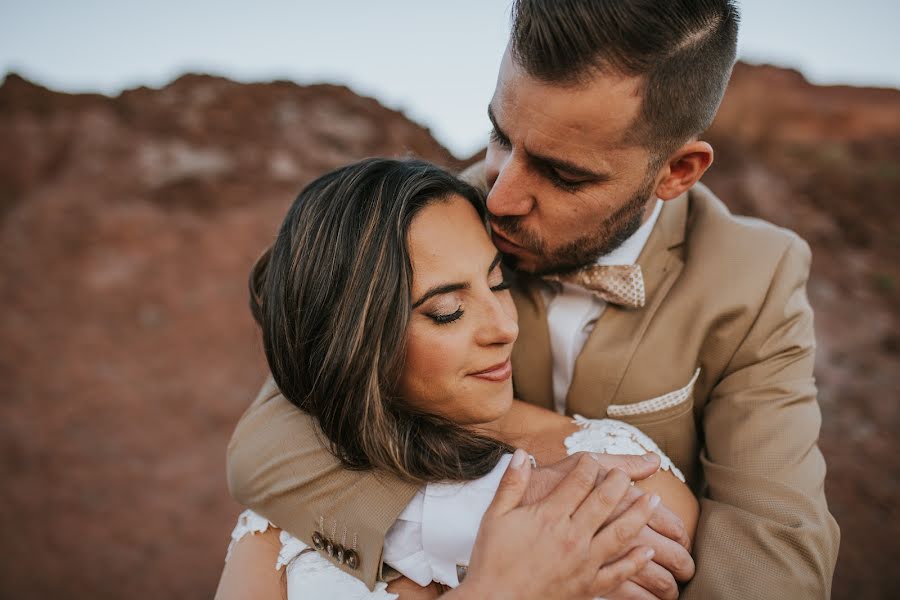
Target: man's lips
x=503, y=242
x=499, y=372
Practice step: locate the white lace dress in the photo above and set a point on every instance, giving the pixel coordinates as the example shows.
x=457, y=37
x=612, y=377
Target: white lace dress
x=310, y=575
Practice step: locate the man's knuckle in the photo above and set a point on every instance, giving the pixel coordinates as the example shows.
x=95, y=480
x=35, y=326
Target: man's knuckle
x=683, y=564
x=662, y=584
x=622, y=534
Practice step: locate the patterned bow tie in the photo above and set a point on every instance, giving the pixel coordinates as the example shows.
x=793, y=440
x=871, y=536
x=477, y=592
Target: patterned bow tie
x=617, y=284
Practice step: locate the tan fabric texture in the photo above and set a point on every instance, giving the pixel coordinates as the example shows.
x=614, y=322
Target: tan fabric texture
x=724, y=294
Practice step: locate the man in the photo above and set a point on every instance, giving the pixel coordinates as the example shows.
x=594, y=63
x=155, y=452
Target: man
x=594, y=161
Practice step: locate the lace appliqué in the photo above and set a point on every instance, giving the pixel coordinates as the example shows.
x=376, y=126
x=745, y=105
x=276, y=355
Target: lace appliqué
x=248, y=522
x=309, y=575
x=609, y=436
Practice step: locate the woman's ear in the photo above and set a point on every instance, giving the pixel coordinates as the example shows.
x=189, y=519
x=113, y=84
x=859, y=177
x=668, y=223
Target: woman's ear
x=684, y=168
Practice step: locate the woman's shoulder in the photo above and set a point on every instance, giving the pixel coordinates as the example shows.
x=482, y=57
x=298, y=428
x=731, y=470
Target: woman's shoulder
x=611, y=436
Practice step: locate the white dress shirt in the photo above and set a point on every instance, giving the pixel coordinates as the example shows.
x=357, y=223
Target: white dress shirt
x=572, y=312
x=437, y=530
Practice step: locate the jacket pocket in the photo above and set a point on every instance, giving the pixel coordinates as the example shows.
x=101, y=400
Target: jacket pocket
x=669, y=421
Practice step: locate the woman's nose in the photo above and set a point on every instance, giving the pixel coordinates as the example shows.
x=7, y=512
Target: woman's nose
x=499, y=323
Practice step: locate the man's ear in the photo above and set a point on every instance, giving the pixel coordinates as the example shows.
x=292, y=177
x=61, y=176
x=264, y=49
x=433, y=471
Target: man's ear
x=684, y=168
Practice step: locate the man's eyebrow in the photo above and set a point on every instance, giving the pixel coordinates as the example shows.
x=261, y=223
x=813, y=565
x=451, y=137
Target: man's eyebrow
x=451, y=287
x=560, y=164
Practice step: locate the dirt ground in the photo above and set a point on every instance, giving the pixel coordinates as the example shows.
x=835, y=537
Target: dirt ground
x=127, y=353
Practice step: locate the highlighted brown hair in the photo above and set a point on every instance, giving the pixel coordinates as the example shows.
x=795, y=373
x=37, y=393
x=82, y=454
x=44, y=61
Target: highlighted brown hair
x=332, y=296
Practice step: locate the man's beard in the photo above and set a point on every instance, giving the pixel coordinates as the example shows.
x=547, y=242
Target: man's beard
x=612, y=233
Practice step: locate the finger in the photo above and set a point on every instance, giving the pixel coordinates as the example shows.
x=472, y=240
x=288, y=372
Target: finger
x=669, y=554
x=629, y=591
x=599, y=505
x=616, y=573
x=668, y=524
x=575, y=487
x=513, y=484
x=635, y=466
x=656, y=582
x=664, y=521
x=619, y=533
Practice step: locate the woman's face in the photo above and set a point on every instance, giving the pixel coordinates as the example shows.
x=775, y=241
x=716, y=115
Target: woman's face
x=463, y=322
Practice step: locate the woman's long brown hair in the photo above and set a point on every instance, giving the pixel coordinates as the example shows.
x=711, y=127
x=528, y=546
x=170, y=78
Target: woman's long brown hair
x=333, y=298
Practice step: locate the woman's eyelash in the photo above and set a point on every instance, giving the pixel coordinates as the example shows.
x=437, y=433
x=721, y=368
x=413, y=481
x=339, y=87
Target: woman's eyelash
x=444, y=319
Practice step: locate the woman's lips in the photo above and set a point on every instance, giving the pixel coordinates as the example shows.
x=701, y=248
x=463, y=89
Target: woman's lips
x=499, y=372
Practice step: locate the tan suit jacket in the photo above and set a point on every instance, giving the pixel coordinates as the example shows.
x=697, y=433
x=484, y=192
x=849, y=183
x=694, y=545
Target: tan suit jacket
x=726, y=295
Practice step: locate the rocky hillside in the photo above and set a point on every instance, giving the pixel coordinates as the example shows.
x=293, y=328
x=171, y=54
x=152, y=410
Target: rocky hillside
x=128, y=224
x=825, y=162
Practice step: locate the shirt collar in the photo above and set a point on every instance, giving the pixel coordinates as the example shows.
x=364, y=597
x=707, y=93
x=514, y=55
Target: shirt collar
x=630, y=250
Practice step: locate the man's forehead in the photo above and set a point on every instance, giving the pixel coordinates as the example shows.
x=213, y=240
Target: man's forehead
x=596, y=114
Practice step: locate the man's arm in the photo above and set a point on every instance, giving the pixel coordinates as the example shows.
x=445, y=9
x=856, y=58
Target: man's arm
x=765, y=530
x=279, y=466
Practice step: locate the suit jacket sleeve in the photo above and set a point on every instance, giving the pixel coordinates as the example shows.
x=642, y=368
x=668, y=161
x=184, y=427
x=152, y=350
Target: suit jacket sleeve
x=279, y=465
x=765, y=530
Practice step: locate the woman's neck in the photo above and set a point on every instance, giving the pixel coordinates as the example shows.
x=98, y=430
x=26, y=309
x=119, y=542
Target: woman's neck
x=539, y=431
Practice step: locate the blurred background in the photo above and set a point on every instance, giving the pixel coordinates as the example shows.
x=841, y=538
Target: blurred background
x=148, y=152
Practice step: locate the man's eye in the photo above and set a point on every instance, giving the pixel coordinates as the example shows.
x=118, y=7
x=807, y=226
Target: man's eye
x=558, y=180
x=499, y=139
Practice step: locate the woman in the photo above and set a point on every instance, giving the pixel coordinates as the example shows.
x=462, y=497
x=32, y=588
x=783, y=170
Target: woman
x=386, y=316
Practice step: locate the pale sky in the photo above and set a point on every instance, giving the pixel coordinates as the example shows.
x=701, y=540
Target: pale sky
x=433, y=59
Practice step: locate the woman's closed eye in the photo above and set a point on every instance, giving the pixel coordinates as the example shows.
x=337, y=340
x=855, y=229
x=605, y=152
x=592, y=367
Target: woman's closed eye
x=497, y=278
x=503, y=285
x=443, y=319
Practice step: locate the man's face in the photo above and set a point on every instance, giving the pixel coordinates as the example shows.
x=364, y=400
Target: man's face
x=566, y=185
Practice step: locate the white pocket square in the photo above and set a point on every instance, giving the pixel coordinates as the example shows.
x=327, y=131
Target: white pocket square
x=654, y=404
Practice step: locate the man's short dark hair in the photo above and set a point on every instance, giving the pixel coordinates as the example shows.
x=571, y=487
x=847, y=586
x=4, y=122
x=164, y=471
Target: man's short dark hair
x=684, y=50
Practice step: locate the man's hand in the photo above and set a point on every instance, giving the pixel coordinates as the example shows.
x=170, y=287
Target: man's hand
x=665, y=533
x=552, y=548
x=546, y=478
x=672, y=563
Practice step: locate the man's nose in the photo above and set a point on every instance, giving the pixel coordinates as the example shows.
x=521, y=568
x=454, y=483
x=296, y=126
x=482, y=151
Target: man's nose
x=509, y=195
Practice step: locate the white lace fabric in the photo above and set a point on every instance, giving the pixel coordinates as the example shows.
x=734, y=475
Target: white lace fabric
x=609, y=436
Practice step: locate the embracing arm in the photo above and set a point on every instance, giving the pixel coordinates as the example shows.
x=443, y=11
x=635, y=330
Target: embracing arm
x=279, y=466
x=765, y=530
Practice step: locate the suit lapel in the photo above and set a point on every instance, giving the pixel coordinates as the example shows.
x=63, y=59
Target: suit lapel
x=604, y=359
x=531, y=359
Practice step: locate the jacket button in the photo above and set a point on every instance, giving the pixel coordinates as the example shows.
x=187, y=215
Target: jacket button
x=351, y=559
x=318, y=541
x=339, y=553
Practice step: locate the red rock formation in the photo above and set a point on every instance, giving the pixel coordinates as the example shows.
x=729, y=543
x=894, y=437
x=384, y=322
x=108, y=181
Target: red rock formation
x=127, y=353
x=825, y=162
